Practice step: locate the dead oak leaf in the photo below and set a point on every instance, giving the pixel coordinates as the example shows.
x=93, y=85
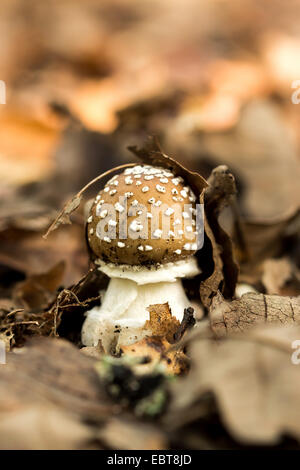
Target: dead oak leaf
x=153, y=351
x=36, y=292
x=280, y=276
x=163, y=329
x=250, y=310
x=161, y=322
x=42, y=427
x=220, y=270
x=254, y=382
x=217, y=196
x=130, y=435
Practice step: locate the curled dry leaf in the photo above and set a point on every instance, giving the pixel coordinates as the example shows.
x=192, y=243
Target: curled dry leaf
x=253, y=379
x=251, y=310
x=64, y=215
x=216, y=257
x=218, y=195
x=152, y=154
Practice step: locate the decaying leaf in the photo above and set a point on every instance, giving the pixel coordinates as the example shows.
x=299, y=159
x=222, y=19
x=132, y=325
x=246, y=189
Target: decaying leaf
x=250, y=310
x=42, y=427
x=37, y=291
x=130, y=435
x=276, y=274
x=216, y=194
x=43, y=313
x=262, y=153
x=53, y=371
x=64, y=215
x=155, y=351
x=163, y=331
x=253, y=379
x=152, y=154
x=161, y=322
x=266, y=239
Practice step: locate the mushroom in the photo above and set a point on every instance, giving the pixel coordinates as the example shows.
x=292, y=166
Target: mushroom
x=143, y=231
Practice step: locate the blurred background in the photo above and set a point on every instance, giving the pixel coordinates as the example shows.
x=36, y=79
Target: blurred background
x=86, y=78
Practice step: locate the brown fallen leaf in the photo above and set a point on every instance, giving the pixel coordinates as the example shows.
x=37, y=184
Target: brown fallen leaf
x=161, y=322
x=219, y=270
x=163, y=330
x=53, y=371
x=155, y=351
x=64, y=215
x=250, y=310
x=263, y=156
x=254, y=382
x=130, y=435
x=37, y=291
x=152, y=154
x=280, y=276
x=26, y=147
x=42, y=427
x=267, y=239
x=27, y=252
x=218, y=195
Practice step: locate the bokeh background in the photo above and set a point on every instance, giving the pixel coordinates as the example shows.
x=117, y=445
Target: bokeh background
x=86, y=78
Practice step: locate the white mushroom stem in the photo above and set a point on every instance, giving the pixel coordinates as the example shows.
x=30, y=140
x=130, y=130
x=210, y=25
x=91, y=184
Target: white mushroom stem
x=122, y=315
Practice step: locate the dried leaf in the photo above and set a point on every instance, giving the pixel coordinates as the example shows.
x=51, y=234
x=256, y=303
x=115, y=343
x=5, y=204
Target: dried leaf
x=253, y=380
x=162, y=323
x=218, y=195
x=155, y=351
x=64, y=215
x=276, y=273
x=250, y=310
x=263, y=155
x=53, y=371
x=152, y=154
x=37, y=291
x=42, y=427
x=163, y=330
x=265, y=239
x=130, y=435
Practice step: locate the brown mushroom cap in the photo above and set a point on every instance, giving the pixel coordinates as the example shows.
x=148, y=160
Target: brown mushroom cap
x=137, y=196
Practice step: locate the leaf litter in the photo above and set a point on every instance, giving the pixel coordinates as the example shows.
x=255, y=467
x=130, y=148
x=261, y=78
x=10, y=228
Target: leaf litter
x=220, y=379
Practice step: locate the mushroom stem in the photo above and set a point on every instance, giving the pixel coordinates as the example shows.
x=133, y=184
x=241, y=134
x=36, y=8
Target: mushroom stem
x=121, y=318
